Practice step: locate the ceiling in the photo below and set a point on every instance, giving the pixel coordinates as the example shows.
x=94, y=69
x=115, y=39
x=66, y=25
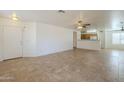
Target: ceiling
x=99, y=19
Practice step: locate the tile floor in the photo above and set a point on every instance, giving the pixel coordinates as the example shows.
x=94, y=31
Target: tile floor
x=69, y=66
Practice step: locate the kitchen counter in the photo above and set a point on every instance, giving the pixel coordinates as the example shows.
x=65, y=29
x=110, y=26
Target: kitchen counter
x=89, y=44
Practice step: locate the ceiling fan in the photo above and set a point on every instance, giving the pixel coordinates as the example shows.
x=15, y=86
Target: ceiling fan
x=81, y=26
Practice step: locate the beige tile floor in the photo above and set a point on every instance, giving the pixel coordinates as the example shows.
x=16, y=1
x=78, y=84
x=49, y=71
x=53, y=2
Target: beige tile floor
x=72, y=65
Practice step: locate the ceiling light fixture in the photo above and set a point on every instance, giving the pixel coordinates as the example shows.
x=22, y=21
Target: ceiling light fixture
x=14, y=17
x=80, y=22
x=80, y=25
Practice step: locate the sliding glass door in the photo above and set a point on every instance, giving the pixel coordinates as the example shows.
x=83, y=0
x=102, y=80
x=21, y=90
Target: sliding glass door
x=115, y=39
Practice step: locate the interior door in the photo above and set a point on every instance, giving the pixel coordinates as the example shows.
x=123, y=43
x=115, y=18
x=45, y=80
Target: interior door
x=12, y=42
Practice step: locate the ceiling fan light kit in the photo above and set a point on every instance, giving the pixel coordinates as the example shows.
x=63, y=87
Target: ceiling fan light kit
x=14, y=17
x=79, y=27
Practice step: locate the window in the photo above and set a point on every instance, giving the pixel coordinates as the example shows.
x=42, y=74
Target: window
x=117, y=38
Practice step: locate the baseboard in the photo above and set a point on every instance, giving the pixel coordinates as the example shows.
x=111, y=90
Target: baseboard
x=55, y=52
x=89, y=49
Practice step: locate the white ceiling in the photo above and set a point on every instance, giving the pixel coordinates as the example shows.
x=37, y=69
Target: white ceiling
x=99, y=19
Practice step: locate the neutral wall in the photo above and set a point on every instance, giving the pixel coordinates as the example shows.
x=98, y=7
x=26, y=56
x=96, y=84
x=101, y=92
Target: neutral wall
x=51, y=39
x=101, y=35
x=5, y=23
x=40, y=39
x=29, y=40
x=74, y=39
x=29, y=36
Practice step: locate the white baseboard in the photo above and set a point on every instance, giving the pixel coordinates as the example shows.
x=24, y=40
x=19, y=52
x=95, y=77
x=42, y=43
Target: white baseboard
x=55, y=52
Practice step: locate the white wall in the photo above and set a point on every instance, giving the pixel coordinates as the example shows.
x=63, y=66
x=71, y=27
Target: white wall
x=51, y=39
x=29, y=40
x=29, y=36
x=40, y=39
x=5, y=23
x=102, y=38
x=74, y=39
x=78, y=35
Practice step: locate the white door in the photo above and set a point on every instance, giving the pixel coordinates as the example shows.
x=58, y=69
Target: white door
x=12, y=42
